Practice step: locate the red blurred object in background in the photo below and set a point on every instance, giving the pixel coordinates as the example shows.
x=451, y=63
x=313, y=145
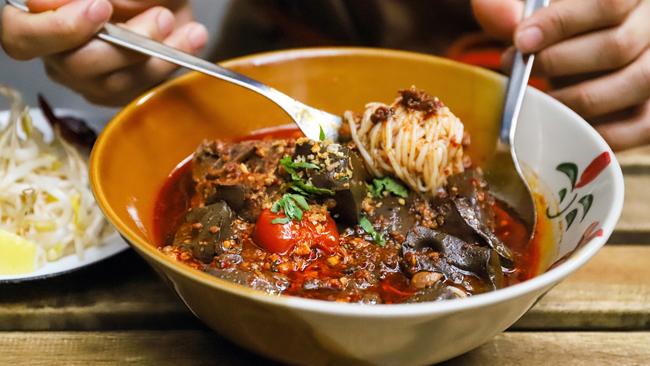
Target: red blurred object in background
x=479, y=49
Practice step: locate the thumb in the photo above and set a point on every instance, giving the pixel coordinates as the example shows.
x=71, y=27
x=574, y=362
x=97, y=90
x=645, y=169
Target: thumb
x=498, y=18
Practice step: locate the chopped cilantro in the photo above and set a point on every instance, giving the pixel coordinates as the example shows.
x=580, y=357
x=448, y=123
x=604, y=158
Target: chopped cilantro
x=297, y=183
x=389, y=185
x=321, y=135
x=292, y=205
x=310, y=189
x=290, y=166
x=368, y=228
x=281, y=220
x=300, y=201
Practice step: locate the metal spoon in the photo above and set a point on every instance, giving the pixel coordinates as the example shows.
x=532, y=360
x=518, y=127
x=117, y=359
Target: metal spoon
x=310, y=120
x=504, y=172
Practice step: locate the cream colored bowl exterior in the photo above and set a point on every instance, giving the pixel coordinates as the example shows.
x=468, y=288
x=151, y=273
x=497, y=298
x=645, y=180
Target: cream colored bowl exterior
x=303, y=331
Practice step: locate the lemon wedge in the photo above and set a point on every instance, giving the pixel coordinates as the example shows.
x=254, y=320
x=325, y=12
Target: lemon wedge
x=17, y=254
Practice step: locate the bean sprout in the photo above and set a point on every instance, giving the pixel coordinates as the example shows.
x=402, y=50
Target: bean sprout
x=44, y=192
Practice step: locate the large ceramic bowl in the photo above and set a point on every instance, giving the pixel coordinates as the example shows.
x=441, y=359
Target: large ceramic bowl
x=139, y=148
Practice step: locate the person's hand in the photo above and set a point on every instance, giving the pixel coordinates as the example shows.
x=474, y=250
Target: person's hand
x=596, y=53
x=60, y=32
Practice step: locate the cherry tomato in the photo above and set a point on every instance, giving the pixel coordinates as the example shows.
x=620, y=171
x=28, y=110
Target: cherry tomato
x=275, y=238
x=280, y=238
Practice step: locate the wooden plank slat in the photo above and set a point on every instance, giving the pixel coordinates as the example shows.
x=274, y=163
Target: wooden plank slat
x=634, y=224
x=204, y=348
x=565, y=348
x=163, y=347
x=119, y=293
x=637, y=157
x=611, y=292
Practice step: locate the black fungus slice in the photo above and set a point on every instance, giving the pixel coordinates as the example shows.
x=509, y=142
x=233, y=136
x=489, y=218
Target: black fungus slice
x=394, y=213
x=340, y=170
x=204, y=229
x=429, y=250
x=471, y=216
x=468, y=213
x=233, y=194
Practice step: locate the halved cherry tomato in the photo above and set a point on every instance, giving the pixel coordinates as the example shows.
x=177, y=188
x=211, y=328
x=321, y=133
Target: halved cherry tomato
x=280, y=238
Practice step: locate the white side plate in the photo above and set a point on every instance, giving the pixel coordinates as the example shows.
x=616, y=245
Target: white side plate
x=110, y=246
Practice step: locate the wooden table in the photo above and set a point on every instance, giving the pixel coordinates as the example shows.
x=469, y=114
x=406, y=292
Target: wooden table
x=118, y=312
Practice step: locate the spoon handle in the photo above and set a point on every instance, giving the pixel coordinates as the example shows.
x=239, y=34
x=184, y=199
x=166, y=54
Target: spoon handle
x=516, y=89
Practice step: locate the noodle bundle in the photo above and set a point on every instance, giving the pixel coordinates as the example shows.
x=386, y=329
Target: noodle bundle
x=416, y=139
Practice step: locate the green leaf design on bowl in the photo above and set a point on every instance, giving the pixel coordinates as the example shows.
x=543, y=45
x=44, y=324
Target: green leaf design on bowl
x=570, y=170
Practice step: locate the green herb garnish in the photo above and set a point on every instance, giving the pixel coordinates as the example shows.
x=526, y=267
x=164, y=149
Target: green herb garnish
x=292, y=205
x=368, y=228
x=308, y=189
x=297, y=183
x=389, y=185
x=321, y=135
x=281, y=220
x=291, y=166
